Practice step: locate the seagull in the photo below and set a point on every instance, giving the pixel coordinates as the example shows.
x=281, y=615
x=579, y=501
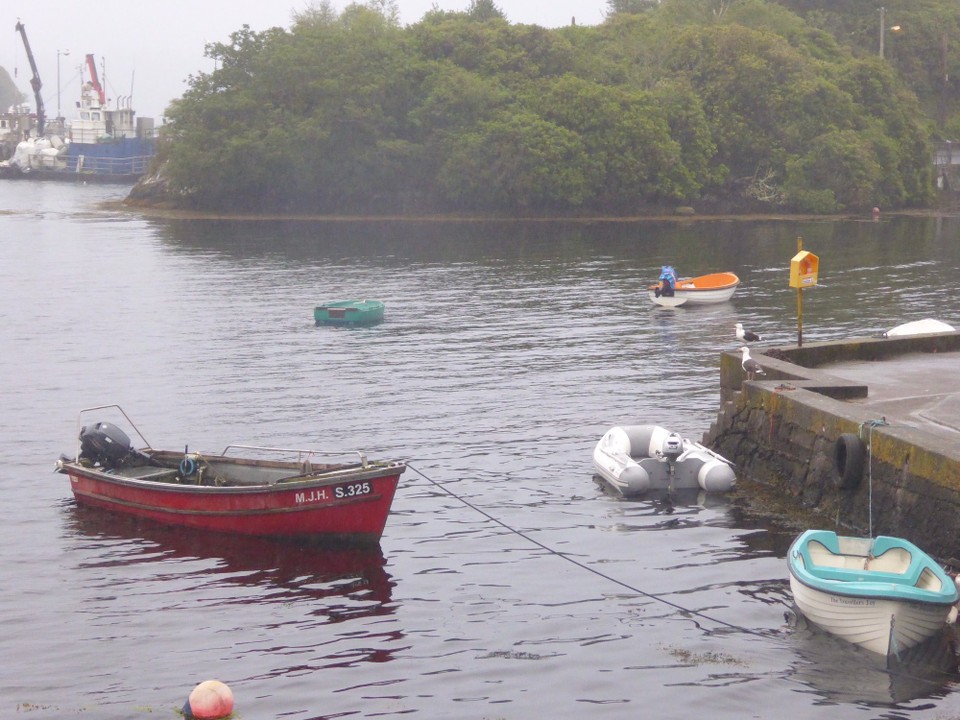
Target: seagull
x=746, y=335
x=750, y=366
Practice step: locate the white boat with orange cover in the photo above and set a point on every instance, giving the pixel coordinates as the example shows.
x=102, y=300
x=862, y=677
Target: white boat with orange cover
x=672, y=291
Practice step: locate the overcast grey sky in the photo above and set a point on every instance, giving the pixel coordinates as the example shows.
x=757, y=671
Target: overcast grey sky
x=149, y=49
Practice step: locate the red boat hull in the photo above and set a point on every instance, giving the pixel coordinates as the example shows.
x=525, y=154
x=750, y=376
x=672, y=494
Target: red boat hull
x=353, y=509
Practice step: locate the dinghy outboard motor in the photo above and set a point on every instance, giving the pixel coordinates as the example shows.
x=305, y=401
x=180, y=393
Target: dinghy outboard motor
x=105, y=444
x=672, y=447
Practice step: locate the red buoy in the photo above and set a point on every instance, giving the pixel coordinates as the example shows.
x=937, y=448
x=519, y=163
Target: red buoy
x=210, y=700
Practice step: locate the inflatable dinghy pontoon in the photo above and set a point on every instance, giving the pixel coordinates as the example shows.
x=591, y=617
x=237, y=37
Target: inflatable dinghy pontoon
x=633, y=459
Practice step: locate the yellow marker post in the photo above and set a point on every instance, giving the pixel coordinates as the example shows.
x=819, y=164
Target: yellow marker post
x=804, y=267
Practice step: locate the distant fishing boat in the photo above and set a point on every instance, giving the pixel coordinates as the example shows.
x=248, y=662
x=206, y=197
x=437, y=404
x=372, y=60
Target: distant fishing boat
x=100, y=144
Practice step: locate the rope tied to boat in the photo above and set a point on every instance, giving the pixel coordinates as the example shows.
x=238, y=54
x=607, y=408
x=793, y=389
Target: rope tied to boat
x=562, y=556
x=870, y=425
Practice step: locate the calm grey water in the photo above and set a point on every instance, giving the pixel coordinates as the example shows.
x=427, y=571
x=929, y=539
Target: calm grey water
x=508, y=349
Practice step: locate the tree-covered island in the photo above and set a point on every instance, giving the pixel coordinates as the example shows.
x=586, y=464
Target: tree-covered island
x=717, y=104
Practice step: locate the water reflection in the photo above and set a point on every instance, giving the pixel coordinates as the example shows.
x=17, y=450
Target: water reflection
x=843, y=673
x=433, y=242
x=688, y=502
x=350, y=582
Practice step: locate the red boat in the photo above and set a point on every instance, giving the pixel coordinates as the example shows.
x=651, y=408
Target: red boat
x=271, y=492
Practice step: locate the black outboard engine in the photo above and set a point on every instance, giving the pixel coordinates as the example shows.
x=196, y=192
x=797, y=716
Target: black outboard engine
x=104, y=444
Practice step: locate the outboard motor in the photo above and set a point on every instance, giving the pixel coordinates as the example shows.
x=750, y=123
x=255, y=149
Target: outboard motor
x=672, y=447
x=104, y=444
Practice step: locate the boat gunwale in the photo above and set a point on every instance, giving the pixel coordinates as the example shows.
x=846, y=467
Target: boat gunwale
x=354, y=473
x=871, y=584
x=352, y=304
x=890, y=592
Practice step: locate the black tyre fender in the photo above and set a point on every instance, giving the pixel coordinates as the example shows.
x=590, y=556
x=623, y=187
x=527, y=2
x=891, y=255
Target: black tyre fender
x=848, y=457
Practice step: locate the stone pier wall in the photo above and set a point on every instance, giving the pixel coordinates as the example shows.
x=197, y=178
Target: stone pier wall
x=783, y=430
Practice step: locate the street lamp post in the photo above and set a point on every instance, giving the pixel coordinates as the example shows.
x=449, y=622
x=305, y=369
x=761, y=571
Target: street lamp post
x=883, y=28
x=65, y=53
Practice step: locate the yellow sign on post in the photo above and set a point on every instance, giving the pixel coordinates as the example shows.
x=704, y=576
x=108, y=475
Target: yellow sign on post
x=803, y=269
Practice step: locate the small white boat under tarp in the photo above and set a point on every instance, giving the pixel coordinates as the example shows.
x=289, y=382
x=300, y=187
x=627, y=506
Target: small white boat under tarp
x=633, y=459
x=920, y=327
x=884, y=594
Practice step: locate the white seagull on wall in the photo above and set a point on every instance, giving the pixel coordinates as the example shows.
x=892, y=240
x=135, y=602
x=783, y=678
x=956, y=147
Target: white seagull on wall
x=746, y=335
x=750, y=366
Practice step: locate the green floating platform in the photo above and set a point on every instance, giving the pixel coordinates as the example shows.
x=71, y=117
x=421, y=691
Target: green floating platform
x=349, y=312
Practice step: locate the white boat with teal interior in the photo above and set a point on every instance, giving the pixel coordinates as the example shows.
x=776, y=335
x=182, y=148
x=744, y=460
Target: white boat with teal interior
x=884, y=594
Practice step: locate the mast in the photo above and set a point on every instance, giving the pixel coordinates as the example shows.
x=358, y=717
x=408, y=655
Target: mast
x=34, y=81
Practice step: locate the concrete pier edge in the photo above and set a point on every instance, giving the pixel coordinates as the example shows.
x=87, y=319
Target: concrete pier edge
x=782, y=429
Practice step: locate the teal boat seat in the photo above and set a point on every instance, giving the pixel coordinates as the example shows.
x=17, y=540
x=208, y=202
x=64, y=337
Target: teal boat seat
x=886, y=555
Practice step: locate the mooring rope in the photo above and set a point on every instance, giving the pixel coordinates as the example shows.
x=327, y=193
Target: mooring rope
x=579, y=564
x=870, y=425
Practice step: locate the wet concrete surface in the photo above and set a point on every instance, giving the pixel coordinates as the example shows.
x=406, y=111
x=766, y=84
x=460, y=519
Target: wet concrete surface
x=920, y=390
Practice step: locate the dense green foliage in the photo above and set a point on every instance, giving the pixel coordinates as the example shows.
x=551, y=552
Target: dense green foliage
x=737, y=103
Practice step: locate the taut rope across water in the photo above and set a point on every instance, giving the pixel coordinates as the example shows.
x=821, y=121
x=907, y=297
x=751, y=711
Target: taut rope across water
x=562, y=556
